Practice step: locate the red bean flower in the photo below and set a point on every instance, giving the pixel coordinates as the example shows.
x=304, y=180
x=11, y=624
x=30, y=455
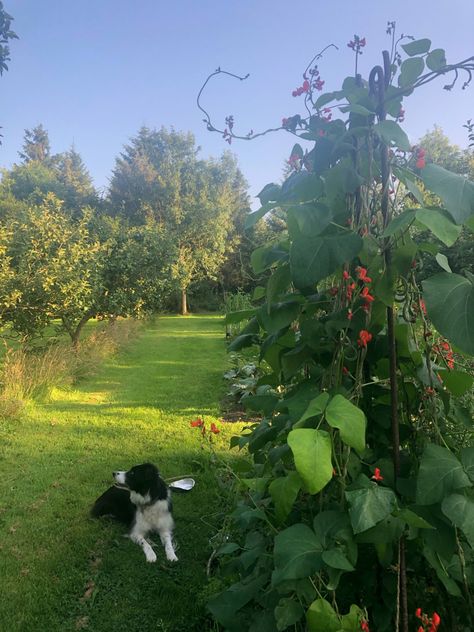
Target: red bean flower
x=197, y=423
x=214, y=428
x=362, y=274
x=364, y=338
x=377, y=476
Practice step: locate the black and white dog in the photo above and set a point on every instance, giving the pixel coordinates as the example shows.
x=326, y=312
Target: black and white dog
x=142, y=500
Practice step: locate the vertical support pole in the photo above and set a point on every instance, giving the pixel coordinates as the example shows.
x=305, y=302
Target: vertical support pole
x=378, y=81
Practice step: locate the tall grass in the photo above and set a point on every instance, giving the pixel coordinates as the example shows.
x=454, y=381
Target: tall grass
x=30, y=374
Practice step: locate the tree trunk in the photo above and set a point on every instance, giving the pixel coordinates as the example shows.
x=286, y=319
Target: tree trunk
x=76, y=333
x=184, y=303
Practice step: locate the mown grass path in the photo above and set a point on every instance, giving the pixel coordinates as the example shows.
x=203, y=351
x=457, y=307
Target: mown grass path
x=60, y=570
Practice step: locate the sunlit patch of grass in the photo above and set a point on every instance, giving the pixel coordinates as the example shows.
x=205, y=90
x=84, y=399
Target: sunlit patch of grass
x=61, y=571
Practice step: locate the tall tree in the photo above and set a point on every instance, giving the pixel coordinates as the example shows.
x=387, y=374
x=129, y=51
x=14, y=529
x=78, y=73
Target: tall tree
x=36, y=145
x=159, y=175
x=73, y=174
x=440, y=150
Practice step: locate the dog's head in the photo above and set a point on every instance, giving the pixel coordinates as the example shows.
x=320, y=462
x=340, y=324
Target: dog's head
x=140, y=480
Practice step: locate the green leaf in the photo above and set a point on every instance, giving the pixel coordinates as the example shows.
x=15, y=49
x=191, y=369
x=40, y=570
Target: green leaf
x=312, y=218
x=467, y=459
x=449, y=300
x=392, y=134
x=301, y=187
x=418, y=47
x=269, y=193
x=370, y=505
x=457, y=382
x=440, y=473
x=400, y=222
x=245, y=340
x=316, y=407
x=284, y=491
x=314, y=258
x=335, y=558
x=357, y=109
x=288, y=612
x=312, y=452
x=349, y=420
x=236, y=317
x=460, y=511
x=410, y=70
x=321, y=617
x=297, y=553
x=440, y=568
x=252, y=218
x=443, y=262
x=278, y=283
x=413, y=519
x=280, y=315
x=224, y=605
x=457, y=192
x=440, y=224
x=351, y=621
x=436, y=59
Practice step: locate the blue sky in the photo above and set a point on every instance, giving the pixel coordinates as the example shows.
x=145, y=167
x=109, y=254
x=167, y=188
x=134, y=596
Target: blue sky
x=93, y=71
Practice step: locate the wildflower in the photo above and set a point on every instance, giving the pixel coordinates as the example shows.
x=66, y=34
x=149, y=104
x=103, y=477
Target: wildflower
x=349, y=314
x=364, y=338
x=436, y=619
x=429, y=390
x=367, y=297
x=377, y=476
x=197, y=423
x=421, y=629
x=422, y=306
x=362, y=274
x=364, y=626
x=346, y=275
x=305, y=86
x=318, y=84
x=418, y=613
x=214, y=428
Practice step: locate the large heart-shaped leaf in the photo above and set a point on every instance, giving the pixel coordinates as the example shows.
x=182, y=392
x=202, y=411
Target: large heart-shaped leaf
x=297, y=553
x=410, y=70
x=370, y=505
x=456, y=191
x=440, y=224
x=314, y=258
x=287, y=613
x=349, y=420
x=460, y=510
x=417, y=47
x=440, y=474
x=392, y=134
x=312, y=452
x=322, y=616
x=449, y=300
x=284, y=491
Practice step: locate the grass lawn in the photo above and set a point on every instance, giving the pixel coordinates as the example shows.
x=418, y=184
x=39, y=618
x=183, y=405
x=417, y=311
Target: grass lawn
x=60, y=570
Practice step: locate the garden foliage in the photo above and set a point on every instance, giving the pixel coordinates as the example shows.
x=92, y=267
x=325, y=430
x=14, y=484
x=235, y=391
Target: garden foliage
x=359, y=507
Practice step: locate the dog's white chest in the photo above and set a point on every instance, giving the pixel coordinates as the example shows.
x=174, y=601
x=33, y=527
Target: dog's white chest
x=154, y=517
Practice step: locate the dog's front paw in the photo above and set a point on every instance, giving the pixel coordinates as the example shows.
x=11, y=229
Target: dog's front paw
x=171, y=557
x=150, y=556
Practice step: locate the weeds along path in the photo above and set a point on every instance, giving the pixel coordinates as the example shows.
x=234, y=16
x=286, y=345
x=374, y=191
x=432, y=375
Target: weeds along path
x=60, y=570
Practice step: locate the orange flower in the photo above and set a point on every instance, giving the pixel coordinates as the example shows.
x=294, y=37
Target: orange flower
x=197, y=423
x=214, y=428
